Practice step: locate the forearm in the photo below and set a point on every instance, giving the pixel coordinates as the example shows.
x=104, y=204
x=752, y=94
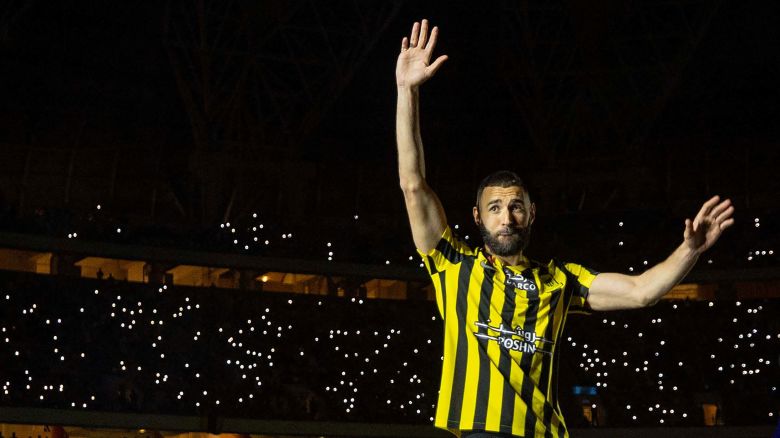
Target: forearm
x=661, y=278
x=411, y=159
x=612, y=291
x=426, y=215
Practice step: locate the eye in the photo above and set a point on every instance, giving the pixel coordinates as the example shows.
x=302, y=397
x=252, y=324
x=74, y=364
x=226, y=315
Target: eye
x=493, y=208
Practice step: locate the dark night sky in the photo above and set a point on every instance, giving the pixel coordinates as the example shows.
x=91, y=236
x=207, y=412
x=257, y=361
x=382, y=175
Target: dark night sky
x=106, y=63
x=729, y=88
x=90, y=73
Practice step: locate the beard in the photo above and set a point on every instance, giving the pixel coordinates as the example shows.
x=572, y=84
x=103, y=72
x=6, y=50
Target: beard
x=507, y=241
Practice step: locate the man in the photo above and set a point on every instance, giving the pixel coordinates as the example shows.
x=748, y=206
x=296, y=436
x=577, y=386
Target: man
x=503, y=313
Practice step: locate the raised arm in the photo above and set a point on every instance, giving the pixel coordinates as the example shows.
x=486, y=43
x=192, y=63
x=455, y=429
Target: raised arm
x=612, y=291
x=426, y=215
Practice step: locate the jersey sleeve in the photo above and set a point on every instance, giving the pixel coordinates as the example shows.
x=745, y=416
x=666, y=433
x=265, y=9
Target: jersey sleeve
x=581, y=278
x=448, y=252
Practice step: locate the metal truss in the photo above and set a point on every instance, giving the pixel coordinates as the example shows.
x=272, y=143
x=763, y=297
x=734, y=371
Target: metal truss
x=257, y=77
x=590, y=79
x=10, y=12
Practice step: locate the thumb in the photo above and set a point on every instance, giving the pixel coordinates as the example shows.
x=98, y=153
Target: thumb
x=688, y=228
x=431, y=70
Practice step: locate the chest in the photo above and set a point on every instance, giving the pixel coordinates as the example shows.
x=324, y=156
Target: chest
x=514, y=295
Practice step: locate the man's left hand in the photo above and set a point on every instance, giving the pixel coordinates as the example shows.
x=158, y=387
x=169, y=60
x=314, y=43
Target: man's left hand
x=704, y=230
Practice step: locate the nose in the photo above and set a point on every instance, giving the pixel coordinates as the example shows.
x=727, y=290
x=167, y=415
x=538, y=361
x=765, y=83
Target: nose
x=507, y=218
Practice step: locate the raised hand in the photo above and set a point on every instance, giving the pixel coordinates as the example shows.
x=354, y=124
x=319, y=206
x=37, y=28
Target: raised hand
x=704, y=230
x=414, y=65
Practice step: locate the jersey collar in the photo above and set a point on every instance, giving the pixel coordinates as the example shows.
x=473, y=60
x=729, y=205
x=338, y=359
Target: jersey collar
x=493, y=261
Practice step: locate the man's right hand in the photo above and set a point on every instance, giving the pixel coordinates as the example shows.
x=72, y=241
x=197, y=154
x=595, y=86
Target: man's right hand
x=426, y=215
x=414, y=62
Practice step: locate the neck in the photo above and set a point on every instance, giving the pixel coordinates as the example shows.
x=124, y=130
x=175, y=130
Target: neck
x=510, y=260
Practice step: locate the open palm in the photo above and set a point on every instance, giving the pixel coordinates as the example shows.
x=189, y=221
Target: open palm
x=414, y=65
x=704, y=230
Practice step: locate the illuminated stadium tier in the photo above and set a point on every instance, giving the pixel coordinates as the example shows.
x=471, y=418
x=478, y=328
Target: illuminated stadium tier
x=106, y=345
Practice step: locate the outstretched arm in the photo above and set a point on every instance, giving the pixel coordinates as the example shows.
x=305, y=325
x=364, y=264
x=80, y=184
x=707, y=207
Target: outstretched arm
x=612, y=291
x=426, y=215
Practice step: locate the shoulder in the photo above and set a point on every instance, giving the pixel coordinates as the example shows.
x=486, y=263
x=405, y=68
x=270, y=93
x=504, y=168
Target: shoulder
x=570, y=268
x=450, y=250
x=562, y=271
x=451, y=241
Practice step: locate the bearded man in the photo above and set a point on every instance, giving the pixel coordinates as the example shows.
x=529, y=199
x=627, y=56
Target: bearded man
x=504, y=313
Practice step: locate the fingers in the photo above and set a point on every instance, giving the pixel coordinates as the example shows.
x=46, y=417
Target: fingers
x=719, y=214
x=404, y=44
x=725, y=215
x=705, y=209
x=423, y=34
x=415, y=34
x=419, y=37
x=432, y=41
x=436, y=64
x=720, y=208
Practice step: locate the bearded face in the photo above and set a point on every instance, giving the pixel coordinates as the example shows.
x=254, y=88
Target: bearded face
x=506, y=241
x=504, y=218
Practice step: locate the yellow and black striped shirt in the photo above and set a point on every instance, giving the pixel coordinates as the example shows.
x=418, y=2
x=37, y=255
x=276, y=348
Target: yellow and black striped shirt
x=501, y=326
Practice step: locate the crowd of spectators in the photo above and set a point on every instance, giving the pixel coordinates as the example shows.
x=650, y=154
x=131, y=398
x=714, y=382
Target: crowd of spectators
x=106, y=345
x=620, y=241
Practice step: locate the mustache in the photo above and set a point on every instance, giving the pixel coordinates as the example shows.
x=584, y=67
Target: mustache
x=518, y=242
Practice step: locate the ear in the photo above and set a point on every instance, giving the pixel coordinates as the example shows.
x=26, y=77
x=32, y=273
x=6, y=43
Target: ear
x=475, y=212
x=532, y=215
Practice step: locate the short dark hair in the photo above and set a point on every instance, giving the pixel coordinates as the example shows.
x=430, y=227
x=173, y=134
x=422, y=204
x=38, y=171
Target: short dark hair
x=502, y=178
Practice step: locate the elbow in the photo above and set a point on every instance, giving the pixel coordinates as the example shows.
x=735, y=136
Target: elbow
x=643, y=292
x=646, y=301
x=411, y=186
